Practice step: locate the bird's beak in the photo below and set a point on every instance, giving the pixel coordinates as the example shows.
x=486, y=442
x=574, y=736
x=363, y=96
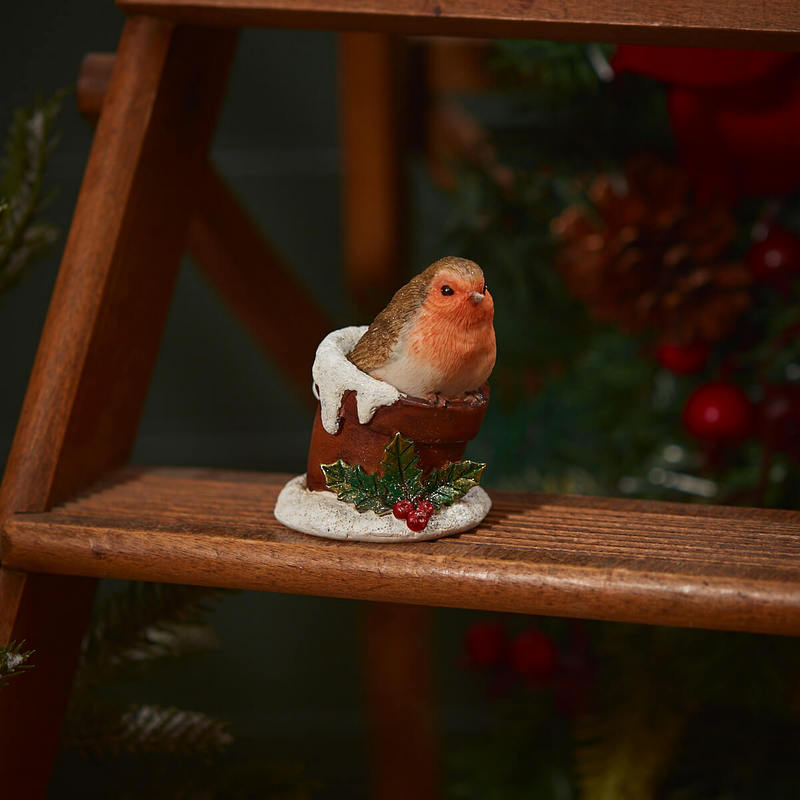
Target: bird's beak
x=475, y=298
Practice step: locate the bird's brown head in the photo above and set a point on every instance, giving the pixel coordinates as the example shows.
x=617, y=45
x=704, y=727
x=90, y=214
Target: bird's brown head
x=457, y=292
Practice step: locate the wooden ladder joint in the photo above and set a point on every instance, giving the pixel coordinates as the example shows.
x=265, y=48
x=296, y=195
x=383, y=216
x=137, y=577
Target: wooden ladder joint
x=246, y=269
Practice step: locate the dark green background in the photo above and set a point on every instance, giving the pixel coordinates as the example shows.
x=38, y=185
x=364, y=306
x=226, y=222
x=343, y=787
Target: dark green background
x=287, y=673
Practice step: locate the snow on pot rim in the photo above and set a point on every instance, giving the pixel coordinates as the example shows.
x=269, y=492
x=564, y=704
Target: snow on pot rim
x=334, y=374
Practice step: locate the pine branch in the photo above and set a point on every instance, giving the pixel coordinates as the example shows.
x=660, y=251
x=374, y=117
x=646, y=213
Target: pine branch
x=625, y=753
x=146, y=729
x=13, y=661
x=626, y=744
x=555, y=68
x=143, y=622
x=29, y=144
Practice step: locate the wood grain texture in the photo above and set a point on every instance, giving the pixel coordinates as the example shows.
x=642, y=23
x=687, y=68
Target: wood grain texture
x=710, y=23
x=659, y=563
x=398, y=677
x=370, y=121
x=99, y=344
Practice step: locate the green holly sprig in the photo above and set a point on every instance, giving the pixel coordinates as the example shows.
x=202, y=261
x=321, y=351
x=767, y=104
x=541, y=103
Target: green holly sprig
x=400, y=478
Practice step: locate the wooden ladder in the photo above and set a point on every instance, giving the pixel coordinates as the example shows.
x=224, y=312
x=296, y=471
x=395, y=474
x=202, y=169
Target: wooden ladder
x=71, y=510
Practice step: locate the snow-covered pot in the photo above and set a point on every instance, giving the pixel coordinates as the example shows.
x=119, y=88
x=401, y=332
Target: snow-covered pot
x=440, y=434
x=358, y=415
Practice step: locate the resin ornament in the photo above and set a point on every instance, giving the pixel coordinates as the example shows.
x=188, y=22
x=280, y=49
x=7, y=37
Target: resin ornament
x=398, y=402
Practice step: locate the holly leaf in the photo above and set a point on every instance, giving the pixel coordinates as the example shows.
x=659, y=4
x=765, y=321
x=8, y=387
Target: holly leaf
x=353, y=485
x=447, y=484
x=402, y=476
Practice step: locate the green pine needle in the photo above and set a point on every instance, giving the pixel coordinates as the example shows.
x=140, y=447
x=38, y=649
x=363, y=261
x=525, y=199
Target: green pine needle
x=143, y=622
x=29, y=144
x=146, y=729
x=625, y=753
x=557, y=69
x=13, y=661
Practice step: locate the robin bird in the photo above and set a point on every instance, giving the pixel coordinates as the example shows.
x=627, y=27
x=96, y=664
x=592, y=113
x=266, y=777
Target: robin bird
x=435, y=339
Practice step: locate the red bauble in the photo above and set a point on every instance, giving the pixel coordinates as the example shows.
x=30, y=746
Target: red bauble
x=486, y=644
x=699, y=68
x=718, y=412
x=534, y=656
x=778, y=424
x=776, y=258
x=402, y=508
x=684, y=359
x=735, y=115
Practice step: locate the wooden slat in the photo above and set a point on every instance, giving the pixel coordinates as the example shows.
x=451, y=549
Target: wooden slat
x=713, y=23
x=658, y=563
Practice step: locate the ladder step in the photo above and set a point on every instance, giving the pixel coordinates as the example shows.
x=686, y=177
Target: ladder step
x=710, y=23
x=599, y=558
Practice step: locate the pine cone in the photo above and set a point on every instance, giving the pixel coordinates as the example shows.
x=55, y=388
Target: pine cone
x=646, y=256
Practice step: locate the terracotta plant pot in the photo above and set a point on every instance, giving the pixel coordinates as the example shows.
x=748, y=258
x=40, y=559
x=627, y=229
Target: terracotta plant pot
x=440, y=434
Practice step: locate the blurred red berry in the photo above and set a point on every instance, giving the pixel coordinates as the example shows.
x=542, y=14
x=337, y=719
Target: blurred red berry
x=486, y=644
x=683, y=359
x=417, y=521
x=534, y=656
x=718, y=412
x=402, y=508
x=426, y=507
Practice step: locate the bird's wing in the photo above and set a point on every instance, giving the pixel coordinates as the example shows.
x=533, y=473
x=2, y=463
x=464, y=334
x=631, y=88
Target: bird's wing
x=376, y=346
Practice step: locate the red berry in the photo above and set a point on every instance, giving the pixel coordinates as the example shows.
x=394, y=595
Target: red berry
x=417, y=521
x=776, y=258
x=486, y=644
x=718, y=412
x=682, y=359
x=534, y=656
x=426, y=507
x=402, y=508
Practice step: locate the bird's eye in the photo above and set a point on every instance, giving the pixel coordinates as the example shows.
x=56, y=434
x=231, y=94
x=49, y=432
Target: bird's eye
x=447, y=290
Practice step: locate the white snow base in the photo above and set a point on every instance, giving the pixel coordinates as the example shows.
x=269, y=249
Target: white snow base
x=323, y=514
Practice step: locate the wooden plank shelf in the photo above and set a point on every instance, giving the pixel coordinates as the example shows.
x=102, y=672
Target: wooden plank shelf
x=708, y=23
x=625, y=560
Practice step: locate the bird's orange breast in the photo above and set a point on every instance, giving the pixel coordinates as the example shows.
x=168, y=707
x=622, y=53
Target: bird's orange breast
x=461, y=351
